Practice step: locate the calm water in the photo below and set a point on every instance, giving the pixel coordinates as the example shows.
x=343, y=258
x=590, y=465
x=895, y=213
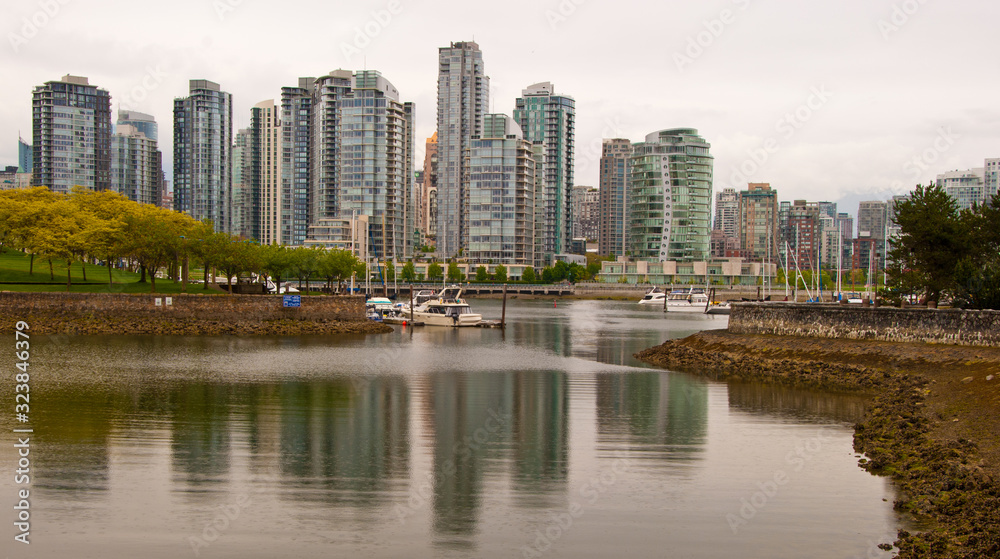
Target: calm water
x=547, y=440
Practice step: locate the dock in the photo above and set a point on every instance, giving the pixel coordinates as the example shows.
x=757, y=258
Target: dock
x=402, y=321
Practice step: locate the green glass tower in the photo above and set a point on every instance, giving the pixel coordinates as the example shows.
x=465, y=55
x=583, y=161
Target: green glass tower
x=550, y=120
x=670, y=199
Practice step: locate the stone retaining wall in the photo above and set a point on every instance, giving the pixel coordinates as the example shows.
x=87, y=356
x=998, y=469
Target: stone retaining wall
x=973, y=328
x=220, y=308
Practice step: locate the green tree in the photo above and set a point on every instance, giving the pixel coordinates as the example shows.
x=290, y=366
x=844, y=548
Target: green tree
x=454, y=273
x=528, y=275
x=277, y=261
x=337, y=265
x=306, y=262
x=434, y=271
x=933, y=238
x=409, y=272
x=152, y=236
x=482, y=274
x=501, y=273
x=240, y=257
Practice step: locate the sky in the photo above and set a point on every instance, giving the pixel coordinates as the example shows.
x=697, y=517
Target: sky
x=836, y=101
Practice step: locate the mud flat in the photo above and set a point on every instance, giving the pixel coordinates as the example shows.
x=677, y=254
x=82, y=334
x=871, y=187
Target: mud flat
x=933, y=422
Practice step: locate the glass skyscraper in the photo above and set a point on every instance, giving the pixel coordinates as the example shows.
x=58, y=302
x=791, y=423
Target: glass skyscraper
x=375, y=165
x=296, y=135
x=136, y=167
x=670, y=197
x=203, y=136
x=616, y=180
x=463, y=95
x=550, y=119
x=140, y=121
x=266, y=216
x=326, y=137
x=24, y=157
x=501, y=190
x=71, y=135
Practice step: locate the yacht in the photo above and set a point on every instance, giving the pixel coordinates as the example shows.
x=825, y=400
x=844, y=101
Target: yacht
x=447, y=308
x=653, y=296
x=378, y=308
x=687, y=300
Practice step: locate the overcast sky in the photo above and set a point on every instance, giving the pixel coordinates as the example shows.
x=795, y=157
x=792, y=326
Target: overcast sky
x=840, y=101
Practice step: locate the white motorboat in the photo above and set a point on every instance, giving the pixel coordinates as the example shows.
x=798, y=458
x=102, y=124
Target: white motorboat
x=379, y=308
x=653, y=297
x=447, y=308
x=689, y=300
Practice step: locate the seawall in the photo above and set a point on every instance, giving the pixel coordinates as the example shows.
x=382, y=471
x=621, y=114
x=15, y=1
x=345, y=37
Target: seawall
x=86, y=313
x=853, y=322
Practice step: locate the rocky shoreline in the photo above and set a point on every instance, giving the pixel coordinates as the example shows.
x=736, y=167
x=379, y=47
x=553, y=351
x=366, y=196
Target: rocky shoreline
x=933, y=424
x=178, y=326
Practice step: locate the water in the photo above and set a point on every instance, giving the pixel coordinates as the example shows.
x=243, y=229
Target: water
x=548, y=439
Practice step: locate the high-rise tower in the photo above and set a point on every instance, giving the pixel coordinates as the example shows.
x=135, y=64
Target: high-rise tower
x=71, y=135
x=616, y=179
x=670, y=198
x=463, y=95
x=203, y=138
x=550, y=119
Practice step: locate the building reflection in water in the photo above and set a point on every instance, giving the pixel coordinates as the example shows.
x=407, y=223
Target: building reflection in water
x=73, y=455
x=797, y=403
x=341, y=440
x=541, y=434
x=665, y=412
x=470, y=418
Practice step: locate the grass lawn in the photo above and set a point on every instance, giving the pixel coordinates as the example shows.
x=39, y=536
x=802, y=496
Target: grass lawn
x=15, y=277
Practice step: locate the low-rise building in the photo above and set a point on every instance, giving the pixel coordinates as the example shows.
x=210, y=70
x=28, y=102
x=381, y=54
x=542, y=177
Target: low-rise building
x=720, y=271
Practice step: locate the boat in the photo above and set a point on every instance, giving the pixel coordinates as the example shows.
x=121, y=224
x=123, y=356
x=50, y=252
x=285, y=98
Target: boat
x=379, y=308
x=447, y=308
x=719, y=308
x=653, y=296
x=687, y=300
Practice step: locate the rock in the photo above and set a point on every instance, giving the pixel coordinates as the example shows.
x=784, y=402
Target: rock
x=967, y=380
x=990, y=377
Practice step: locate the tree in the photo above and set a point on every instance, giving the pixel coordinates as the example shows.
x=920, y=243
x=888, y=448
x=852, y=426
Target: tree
x=482, y=274
x=337, y=265
x=152, y=237
x=409, y=272
x=933, y=238
x=59, y=239
x=454, y=274
x=306, y=262
x=434, y=271
x=501, y=273
x=278, y=261
x=241, y=257
x=978, y=285
x=528, y=275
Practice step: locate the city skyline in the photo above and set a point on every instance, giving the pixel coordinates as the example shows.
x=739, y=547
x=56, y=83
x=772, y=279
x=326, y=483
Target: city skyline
x=860, y=112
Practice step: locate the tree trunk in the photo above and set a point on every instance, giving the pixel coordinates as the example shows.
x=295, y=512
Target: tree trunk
x=111, y=280
x=31, y=265
x=52, y=273
x=143, y=270
x=83, y=265
x=69, y=275
x=229, y=281
x=152, y=279
x=205, y=282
